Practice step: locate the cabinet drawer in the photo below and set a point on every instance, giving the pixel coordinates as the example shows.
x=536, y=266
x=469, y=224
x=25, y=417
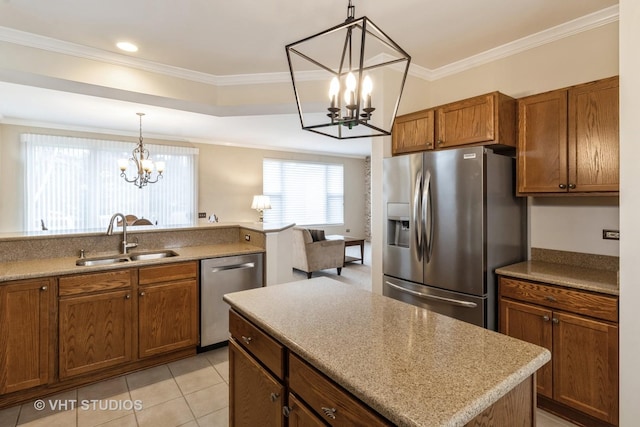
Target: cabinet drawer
x=589, y=304
x=167, y=272
x=263, y=347
x=333, y=404
x=95, y=282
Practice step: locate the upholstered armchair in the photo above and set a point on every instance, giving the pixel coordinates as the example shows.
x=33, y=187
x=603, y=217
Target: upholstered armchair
x=310, y=255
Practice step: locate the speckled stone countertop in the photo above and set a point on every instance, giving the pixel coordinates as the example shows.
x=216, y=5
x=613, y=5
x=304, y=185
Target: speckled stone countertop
x=67, y=265
x=590, y=279
x=414, y=367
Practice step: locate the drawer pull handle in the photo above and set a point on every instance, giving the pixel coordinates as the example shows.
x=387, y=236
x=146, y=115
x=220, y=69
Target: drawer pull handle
x=43, y=288
x=286, y=411
x=247, y=340
x=329, y=412
x=274, y=397
x=555, y=320
x=550, y=298
x=545, y=318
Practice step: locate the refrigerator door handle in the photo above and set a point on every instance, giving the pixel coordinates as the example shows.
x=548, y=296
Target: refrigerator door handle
x=466, y=304
x=427, y=217
x=416, y=223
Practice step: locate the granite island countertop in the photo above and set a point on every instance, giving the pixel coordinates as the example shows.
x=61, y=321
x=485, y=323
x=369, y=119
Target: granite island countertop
x=30, y=269
x=572, y=276
x=413, y=366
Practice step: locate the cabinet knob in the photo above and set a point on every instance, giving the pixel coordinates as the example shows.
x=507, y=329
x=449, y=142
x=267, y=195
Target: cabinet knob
x=247, y=340
x=572, y=186
x=127, y=296
x=440, y=142
x=555, y=320
x=44, y=288
x=562, y=186
x=286, y=411
x=545, y=318
x=550, y=298
x=274, y=396
x=329, y=412
x=141, y=294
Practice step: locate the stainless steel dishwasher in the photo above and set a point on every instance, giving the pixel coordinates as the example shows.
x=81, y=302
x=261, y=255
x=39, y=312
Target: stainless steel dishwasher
x=219, y=276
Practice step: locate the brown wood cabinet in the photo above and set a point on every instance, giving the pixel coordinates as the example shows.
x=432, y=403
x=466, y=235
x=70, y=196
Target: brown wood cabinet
x=568, y=140
x=167, y=308
x=580, y=329
x=25, y=320
x=95, y=322
x=413, y=132
x=482, y=120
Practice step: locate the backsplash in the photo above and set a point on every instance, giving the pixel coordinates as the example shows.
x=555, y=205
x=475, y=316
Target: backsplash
x=599, y=262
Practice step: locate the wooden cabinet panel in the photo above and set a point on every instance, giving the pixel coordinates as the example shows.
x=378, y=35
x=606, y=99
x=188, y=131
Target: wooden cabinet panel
x=532, y=324
x=169, y=272
x=300, y=415
x=261, y=345
x=25, y=309
x=255, y=397
x=593, y=149
x=466, y=122
x=568, y=140
x=413, y=132
x=334, y=405
x=95, y=332
x=542, y=142
x=586, y=364
x=167, y=317
x=95, y=282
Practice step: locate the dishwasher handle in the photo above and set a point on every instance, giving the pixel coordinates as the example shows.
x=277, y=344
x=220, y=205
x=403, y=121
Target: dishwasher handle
x=233, y=267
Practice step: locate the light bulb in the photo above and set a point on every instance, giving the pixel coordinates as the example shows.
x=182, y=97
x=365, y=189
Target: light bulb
x=367, y=87
x=123, y=164
x=334, y=88
x=147, y=165
x=351, y=82
x=160, y=167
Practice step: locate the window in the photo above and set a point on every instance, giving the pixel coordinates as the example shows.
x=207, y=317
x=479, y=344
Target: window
x=75, y=184
x=306, y=193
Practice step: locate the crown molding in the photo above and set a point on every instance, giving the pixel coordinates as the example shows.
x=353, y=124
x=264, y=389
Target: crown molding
x=584, y=23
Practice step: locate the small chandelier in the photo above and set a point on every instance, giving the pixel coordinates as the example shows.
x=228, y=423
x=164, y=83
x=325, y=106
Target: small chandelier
x=364, y=54
x=142, y=163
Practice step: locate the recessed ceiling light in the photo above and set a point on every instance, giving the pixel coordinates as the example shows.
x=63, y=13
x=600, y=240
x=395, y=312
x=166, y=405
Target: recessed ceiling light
x=127, y=46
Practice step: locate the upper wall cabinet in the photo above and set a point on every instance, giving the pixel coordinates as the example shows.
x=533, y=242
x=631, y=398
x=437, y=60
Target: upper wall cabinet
x=482, y=120
x=568, y=140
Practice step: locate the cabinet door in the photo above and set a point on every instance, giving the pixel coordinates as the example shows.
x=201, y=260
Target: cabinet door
x=466, y=122
x=95, y=332
x=300, y=415
x=594, y=136
x=585, y=365
x=25, y=308
x=542, y=143
x=413, y=132
x=255, y=397
x=532, y=324
x=168, y=317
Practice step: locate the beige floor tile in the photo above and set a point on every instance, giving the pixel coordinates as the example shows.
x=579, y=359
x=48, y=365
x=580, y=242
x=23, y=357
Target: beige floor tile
x=148, y=376
x=53, y=406
x=218, y=355
x=9, y=416
x=170, y=414
x=545, y=419
x=219, y=418
x=208, y=400
x=127, y=421
x=107, y=389
x=153, y=386
x=223, y=370
x=195, y=373
x=92, y=413
x=56, y=419
x=193, y=423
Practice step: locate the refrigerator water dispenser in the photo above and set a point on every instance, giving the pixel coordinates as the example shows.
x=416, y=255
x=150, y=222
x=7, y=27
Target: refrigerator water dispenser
x=398, y=224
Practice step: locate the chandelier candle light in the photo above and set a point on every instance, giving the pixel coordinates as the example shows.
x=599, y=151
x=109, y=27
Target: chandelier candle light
x=142, y=162
x=366, y=54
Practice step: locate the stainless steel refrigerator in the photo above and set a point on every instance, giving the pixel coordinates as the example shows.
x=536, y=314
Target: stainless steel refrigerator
x=450, y=219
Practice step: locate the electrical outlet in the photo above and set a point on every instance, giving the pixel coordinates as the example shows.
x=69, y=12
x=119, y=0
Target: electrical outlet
x=348, y=230
x=202, y=214
x=247, y=237
x=611, y=234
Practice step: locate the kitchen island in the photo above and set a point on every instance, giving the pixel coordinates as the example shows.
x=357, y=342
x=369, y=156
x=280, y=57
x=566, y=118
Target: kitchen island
x=407, y=365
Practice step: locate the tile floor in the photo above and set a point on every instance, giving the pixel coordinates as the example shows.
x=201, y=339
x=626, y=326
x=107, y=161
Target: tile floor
x=191, y=392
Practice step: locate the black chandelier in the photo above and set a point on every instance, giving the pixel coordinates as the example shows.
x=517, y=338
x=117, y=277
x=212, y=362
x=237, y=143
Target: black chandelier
x=353, y=58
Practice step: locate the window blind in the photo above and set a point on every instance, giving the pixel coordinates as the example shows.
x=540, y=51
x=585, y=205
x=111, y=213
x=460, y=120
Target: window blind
x=74, y=183
x=307, y=193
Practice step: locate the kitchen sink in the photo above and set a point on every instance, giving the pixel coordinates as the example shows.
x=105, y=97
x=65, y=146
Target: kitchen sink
x=141, y=256
x=115, y=259
x=85, y=262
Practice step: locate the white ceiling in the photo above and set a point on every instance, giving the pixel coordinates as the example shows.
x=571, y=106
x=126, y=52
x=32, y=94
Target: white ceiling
x=227, y=39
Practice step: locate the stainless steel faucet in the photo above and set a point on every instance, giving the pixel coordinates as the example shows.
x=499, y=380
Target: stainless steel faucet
x=125, y=245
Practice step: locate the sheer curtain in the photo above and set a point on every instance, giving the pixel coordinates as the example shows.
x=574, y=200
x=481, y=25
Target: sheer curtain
x=75, y=184
x=307, y=193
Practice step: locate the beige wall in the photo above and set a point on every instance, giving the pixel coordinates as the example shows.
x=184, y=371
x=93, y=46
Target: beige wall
x=228, y=178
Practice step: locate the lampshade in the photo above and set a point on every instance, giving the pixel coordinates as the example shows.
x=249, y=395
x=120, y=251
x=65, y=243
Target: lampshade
x=261, y=202
x=361, y=70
